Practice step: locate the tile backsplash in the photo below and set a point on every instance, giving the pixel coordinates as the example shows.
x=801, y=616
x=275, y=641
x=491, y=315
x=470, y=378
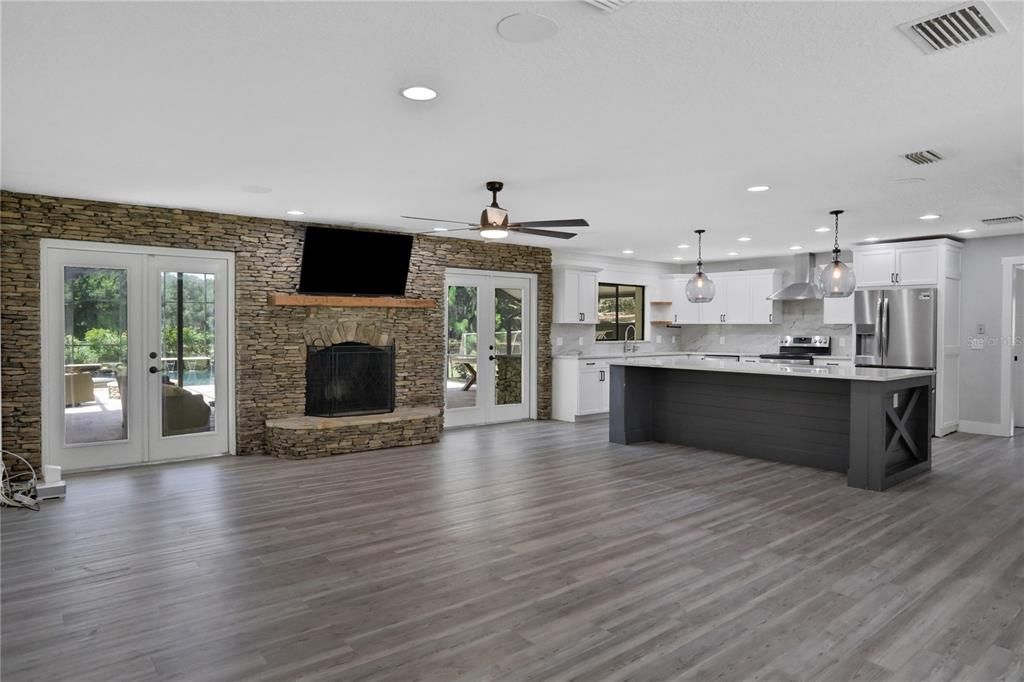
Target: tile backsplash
x=802, y=318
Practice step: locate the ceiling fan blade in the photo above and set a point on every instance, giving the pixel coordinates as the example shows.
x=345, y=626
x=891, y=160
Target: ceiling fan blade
x=569, y=222
x=457, y=229
x=439, y=220
x=543, y=233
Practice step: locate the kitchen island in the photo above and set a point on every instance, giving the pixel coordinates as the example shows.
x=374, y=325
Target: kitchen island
x=874, y=425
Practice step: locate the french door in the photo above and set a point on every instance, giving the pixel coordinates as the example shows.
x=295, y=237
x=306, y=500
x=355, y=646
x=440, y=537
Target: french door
x=136, y=354
x=491, y=348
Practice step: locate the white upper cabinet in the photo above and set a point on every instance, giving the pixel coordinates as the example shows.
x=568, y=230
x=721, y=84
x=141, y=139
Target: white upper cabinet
x=740, y=298
x=575, y=295
x=762, y=285
x=917, y=265
x=888, y=265
x=875, y=267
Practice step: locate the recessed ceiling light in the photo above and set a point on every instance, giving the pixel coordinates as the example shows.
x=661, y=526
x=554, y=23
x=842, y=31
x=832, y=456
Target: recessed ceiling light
x=677, y=258
x=440, y=229
x=296, y=212
x=683, y=246
x=627, y=251
x=966, y=230
x=743, y=239
x=795, y=247
x=930, y=216
x=758, y=188
x=871, y=239
x=419, y=93
x=732, y=253
x=823, y=229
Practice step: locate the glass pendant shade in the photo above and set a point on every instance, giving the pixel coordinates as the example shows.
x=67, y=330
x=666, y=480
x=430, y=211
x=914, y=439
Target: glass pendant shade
x=836, y=280
x=700, y=289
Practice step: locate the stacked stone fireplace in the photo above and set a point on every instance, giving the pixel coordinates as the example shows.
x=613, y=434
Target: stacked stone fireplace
x=351, y=403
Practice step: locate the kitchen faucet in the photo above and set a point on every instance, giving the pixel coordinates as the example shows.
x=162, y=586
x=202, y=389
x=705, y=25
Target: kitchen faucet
x=626, y=348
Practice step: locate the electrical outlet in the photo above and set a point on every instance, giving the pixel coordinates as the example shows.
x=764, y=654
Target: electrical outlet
x=657, y=338
x=981, y=329
x=721, y=340
x=842, y=342
x=558, y=340
x=579, y=340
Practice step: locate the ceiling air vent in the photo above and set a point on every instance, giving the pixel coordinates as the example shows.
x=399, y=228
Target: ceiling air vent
x=954, y=27
x=608, y=6
x=923, y=158
x=1005, y=220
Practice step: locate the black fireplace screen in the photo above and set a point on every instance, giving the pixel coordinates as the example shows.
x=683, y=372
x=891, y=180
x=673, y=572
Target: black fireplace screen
x=350, y=378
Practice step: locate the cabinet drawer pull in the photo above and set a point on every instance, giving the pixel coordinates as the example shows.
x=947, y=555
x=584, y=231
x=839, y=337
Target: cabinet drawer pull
x=591, y=363
x=602, y=375
x=771, y=317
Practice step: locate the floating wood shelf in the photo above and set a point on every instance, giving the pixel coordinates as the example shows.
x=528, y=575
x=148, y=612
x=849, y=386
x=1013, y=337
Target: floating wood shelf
x=661, y=302
x=661, y=321
x=349, y=301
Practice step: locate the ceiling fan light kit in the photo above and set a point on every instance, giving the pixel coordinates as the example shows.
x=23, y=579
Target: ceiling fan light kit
x=494, y=222
x=837, y=280
x=700, y=288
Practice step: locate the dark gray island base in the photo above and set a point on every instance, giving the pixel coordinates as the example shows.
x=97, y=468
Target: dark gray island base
x=873, y=425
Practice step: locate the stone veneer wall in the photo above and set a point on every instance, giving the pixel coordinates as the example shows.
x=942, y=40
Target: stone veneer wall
x=269, y=340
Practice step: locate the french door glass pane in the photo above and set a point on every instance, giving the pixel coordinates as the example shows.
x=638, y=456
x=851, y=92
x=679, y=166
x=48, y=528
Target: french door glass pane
x=460, y=378
x=186, y=363
x=95, y=354
x=508, y=346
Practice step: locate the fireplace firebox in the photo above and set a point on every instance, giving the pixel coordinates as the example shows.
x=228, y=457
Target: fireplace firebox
x=350, y=378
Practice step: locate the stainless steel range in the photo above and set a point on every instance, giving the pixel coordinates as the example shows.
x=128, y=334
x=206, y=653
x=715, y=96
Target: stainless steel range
x=799, y=350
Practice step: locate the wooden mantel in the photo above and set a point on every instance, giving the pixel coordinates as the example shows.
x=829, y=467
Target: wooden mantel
x=349, y=301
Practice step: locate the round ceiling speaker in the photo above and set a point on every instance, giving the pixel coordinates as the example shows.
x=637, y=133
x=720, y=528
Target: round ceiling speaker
x=527, y=28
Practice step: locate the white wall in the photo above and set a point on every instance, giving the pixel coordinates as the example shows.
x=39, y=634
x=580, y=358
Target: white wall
x=981, y=304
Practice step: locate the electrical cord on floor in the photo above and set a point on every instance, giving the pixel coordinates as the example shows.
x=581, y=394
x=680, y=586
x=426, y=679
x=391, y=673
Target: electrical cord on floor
x=17, y=488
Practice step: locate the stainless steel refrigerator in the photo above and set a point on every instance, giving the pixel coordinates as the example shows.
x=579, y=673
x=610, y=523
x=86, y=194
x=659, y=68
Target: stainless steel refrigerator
x=895, y=328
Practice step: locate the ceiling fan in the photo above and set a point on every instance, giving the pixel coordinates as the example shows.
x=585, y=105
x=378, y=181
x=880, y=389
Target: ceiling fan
x=494, y=222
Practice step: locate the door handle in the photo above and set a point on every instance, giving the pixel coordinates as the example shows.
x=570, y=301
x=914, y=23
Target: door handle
x=885, y=328
x=582, y=317
x=771, y=317
x=153, y=370
x=892, y=278
x=491, y=358
x=602, y=375
x=878, y=328
x=897, y=278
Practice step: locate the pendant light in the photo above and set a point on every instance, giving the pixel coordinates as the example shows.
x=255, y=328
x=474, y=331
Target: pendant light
x=700, y=288
x=837, y=280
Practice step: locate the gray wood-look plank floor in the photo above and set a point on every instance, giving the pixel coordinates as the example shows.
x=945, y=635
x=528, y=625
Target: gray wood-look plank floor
x=530, y=551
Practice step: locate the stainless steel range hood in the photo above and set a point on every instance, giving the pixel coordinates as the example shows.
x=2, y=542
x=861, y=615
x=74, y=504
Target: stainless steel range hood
x=803, y=286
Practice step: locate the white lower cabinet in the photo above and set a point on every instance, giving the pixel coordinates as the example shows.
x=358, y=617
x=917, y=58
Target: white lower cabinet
x=579, y=386
x=592, y=391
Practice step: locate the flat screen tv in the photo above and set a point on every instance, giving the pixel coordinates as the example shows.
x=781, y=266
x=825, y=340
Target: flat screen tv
x=354, y=263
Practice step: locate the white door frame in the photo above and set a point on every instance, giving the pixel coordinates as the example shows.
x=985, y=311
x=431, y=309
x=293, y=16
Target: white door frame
x=50, y=346
x=1005, y=426
x=530, y=350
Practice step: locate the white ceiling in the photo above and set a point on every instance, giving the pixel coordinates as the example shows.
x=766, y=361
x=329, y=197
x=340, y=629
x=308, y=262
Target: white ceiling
x=648, y=122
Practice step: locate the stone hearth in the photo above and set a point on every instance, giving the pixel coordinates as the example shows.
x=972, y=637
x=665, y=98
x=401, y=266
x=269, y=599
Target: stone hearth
x=301, y=437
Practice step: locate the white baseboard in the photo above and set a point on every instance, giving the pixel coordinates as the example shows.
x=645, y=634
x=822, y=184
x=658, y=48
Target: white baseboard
x=982, y=428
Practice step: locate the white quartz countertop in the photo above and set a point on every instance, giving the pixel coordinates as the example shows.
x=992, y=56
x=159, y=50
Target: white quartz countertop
x=815, y=371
